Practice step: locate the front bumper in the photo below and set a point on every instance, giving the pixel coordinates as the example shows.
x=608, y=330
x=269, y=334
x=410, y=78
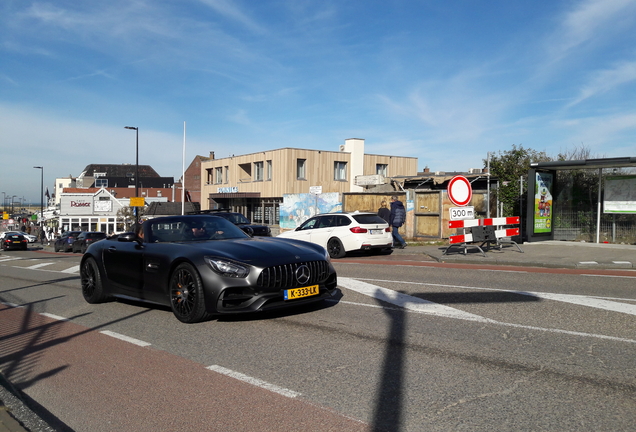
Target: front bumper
x=235, y=300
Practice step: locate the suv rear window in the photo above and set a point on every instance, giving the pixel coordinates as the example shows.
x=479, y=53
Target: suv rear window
x=368, y=219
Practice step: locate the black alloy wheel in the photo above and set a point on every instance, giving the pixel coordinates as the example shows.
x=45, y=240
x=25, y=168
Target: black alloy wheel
x=335, y=248
x=91, y=282
x=187, y=299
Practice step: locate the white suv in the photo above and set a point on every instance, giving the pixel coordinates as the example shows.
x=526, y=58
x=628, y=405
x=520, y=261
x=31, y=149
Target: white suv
x=340, y=233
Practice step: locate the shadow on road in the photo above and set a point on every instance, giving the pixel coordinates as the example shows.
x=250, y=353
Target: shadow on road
x=388, y=409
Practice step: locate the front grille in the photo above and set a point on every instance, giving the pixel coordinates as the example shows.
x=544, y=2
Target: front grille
x=284, y=276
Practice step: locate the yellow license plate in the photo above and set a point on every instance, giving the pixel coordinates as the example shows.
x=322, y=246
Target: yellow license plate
x=296, y=293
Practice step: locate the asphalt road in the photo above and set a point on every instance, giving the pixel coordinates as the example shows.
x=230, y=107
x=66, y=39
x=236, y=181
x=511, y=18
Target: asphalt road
x=408, y=346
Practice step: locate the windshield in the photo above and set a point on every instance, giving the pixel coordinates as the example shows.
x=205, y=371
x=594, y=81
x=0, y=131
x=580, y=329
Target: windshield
x=235, y=218
x=187, y=229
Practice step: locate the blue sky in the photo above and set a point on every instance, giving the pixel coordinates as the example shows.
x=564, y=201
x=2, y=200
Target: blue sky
x=443, y=81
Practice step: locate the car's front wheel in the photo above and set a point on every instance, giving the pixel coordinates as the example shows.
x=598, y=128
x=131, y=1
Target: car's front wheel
x=187, y=299
x=91, y=282
x=335, y=248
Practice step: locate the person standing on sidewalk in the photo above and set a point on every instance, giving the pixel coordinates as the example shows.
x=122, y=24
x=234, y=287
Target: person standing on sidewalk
x=398, y=217
x=384, y=212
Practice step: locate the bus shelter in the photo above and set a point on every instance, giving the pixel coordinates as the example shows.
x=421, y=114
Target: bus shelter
x=616, y=192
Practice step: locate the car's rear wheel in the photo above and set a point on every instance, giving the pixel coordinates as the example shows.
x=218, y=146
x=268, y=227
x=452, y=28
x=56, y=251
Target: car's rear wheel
x=91, y=282
x=187, y=299
x=335, y=248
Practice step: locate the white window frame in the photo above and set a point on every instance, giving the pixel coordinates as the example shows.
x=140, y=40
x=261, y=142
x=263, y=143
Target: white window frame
x=301, y=169
x=268, y=173
x=340, y=171
x=258, y=171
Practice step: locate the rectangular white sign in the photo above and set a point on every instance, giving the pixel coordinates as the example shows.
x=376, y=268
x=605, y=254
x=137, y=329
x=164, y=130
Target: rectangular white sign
x=620, y=194
x=462, y=213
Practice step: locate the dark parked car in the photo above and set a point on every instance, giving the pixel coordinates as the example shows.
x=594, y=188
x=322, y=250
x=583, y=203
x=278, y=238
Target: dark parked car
x=85, y=239
x=242, y=222
x=64, y=243
x=14, y=240
x=200, y=265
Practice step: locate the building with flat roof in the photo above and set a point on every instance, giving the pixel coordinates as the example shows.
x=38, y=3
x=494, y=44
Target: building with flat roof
x=254, y=184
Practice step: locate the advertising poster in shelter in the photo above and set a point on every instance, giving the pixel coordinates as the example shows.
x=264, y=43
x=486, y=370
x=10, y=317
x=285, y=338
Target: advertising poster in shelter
x=543, y=202
x=620, y=194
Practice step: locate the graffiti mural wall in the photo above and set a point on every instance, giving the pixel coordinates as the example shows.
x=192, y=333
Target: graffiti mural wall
x=297, y=208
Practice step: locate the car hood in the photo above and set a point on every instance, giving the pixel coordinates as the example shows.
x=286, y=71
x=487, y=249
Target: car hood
x=251, y=250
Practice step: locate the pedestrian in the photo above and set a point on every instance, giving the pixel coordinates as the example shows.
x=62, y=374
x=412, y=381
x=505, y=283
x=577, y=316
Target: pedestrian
x=384, y=212
x=398, y=217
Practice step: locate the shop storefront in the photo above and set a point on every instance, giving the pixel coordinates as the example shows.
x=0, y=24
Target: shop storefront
x=99, y=211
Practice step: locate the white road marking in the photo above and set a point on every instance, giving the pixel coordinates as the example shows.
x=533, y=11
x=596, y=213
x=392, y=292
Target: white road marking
x=8, y=258
x=345, y=283
x=590, y=302
x=581, y=300
x=73, y=269
x=55, y=317
x=610, y=276
x=406, y=301
x=125, y=338
x=254, y=381
x=13, y=305
x=36, y=266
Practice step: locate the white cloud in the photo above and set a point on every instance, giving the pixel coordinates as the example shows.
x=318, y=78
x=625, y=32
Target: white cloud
x=606, y=80
x=232, y=11
x=587, y=21
x=65, y=146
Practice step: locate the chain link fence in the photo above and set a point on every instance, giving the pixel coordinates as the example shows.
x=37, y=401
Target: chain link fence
x=580, y=225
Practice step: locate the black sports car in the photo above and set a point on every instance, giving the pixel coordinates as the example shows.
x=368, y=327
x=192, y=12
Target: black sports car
x=201, y=265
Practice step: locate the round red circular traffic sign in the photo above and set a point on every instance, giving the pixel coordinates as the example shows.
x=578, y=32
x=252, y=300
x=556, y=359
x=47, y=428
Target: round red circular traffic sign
x=460, y=191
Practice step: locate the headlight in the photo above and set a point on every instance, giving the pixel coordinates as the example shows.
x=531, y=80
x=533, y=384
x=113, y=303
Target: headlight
x=227, y=268
x=327, y=257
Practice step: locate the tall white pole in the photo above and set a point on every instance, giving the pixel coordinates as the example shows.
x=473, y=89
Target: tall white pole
x=488, y=186
x=183, y=171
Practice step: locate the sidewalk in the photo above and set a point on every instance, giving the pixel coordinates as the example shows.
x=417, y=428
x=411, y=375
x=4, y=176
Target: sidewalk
x=548, y=254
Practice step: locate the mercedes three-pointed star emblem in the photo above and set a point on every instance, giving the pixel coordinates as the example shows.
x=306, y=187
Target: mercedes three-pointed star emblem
x=303, y=274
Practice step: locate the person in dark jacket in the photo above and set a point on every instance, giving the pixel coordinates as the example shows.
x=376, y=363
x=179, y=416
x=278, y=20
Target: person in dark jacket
x=384, y=212
x=397, y=219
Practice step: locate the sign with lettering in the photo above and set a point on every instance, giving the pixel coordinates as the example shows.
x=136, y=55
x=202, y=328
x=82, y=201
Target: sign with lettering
x=137, y=202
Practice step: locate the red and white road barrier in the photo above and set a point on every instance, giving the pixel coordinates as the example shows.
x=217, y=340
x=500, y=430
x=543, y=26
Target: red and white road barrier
x=469, y=223
x=484, y=222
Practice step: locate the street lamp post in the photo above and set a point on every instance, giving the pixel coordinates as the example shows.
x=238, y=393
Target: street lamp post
x=4, y=200
x=41, y=194
x=136, y=129
x=14, y=196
